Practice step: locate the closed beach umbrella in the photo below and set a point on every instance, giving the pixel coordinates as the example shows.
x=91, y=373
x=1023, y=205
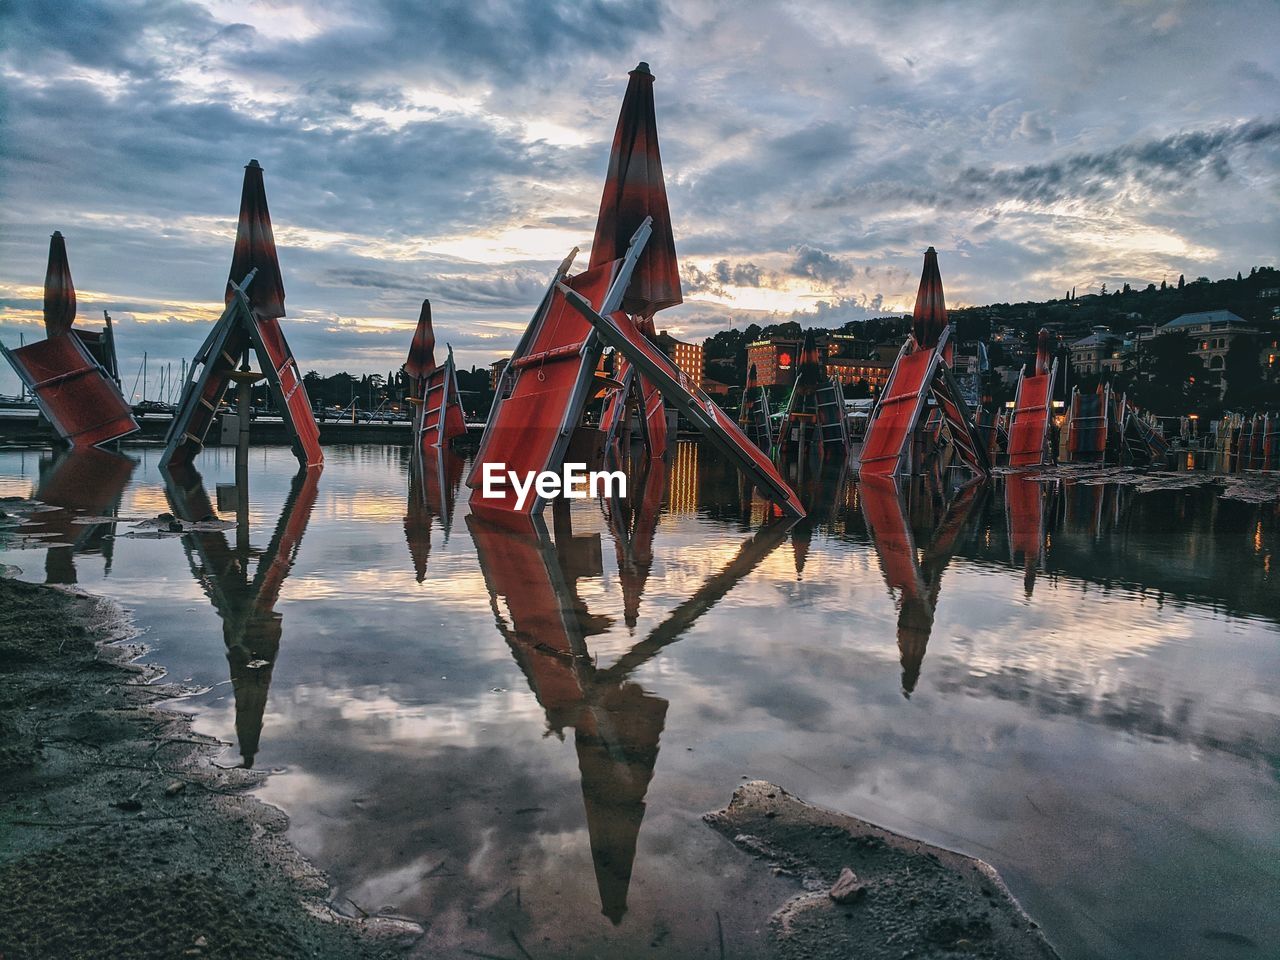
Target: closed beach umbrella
x=634, y=190
x=930, y=317
x=417, y=526
x=59, y=291
x=256, y=247
x=809, y=369
x=616, y=735
x=422, y=352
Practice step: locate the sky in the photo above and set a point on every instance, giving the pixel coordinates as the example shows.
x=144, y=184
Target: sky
x=456, y=150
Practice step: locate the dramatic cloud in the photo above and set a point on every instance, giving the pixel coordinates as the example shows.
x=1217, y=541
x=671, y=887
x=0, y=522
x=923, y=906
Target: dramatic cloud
x=1170, y=165
x=456, y=151
x=738, y=274
x=820, y=265
x=517, y=289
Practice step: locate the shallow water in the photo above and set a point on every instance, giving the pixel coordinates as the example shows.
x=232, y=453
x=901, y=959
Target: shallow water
x=1078, y=686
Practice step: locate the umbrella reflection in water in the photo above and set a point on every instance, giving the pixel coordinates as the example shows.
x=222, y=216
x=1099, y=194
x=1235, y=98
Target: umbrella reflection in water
x=435, y=472
x=1024, y=512
x=633, y=521
x=86, y=482
x=532, y=584
x=914, y=573
x=251, y=627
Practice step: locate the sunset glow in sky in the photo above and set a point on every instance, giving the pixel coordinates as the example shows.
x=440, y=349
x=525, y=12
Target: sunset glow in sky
x=457, y=150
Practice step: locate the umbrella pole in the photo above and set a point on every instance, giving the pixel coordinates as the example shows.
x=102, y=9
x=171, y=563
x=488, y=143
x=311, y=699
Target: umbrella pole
x=244, y=400
x=244, y=378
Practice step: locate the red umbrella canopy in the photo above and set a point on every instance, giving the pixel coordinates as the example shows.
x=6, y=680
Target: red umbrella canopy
x=422, y=352
x=256, y=247
x=930, y=317
x=633, y=190
x=1044, y=352
x=59, y=291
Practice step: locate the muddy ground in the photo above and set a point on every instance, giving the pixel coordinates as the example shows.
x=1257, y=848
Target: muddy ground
x=118, y=836
x=901, y=898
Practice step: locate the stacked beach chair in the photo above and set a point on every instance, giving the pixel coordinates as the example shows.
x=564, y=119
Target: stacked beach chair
x=433, y=389
x=815, y=410
x=554, y=372
x=251, y=321
x=753, y=413
x=72, y=374
x=903, y=428
x=1033, y=409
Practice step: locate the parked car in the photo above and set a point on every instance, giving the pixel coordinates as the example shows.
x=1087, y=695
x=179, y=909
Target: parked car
x=152, y=406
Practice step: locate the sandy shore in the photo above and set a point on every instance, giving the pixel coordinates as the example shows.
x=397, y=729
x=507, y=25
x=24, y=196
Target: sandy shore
x=118, y=837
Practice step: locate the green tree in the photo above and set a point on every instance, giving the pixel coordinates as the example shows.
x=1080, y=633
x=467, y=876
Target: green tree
x=1172, y=380
x=1242, y=370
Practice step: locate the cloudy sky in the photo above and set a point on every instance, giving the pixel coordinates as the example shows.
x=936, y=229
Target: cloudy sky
x=456, y=150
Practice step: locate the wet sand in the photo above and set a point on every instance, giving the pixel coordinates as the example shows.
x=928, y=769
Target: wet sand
x=119, y=838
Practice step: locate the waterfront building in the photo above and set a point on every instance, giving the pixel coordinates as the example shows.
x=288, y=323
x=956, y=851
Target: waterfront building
x=844, y=358
x=687, y=356
x=775, y=360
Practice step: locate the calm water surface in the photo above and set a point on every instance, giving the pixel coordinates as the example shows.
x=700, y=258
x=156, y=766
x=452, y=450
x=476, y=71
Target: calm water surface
x=1077, y=685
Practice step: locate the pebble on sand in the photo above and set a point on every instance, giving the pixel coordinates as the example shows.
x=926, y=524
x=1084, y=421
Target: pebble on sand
x=847, y=888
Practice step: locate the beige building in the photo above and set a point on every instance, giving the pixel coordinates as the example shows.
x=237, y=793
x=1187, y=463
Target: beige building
x=1212, y=331
x=1097, y=352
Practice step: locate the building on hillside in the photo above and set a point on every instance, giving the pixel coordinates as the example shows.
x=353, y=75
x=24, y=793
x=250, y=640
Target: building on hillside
x=495, y=372
x=1212, y=331
x=775, y=360
x=850, y=360
x=724, y=369
x=1096, y=352
x=686, y=356
x=846, y=358
x=1141, y=335
x=873, y=371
